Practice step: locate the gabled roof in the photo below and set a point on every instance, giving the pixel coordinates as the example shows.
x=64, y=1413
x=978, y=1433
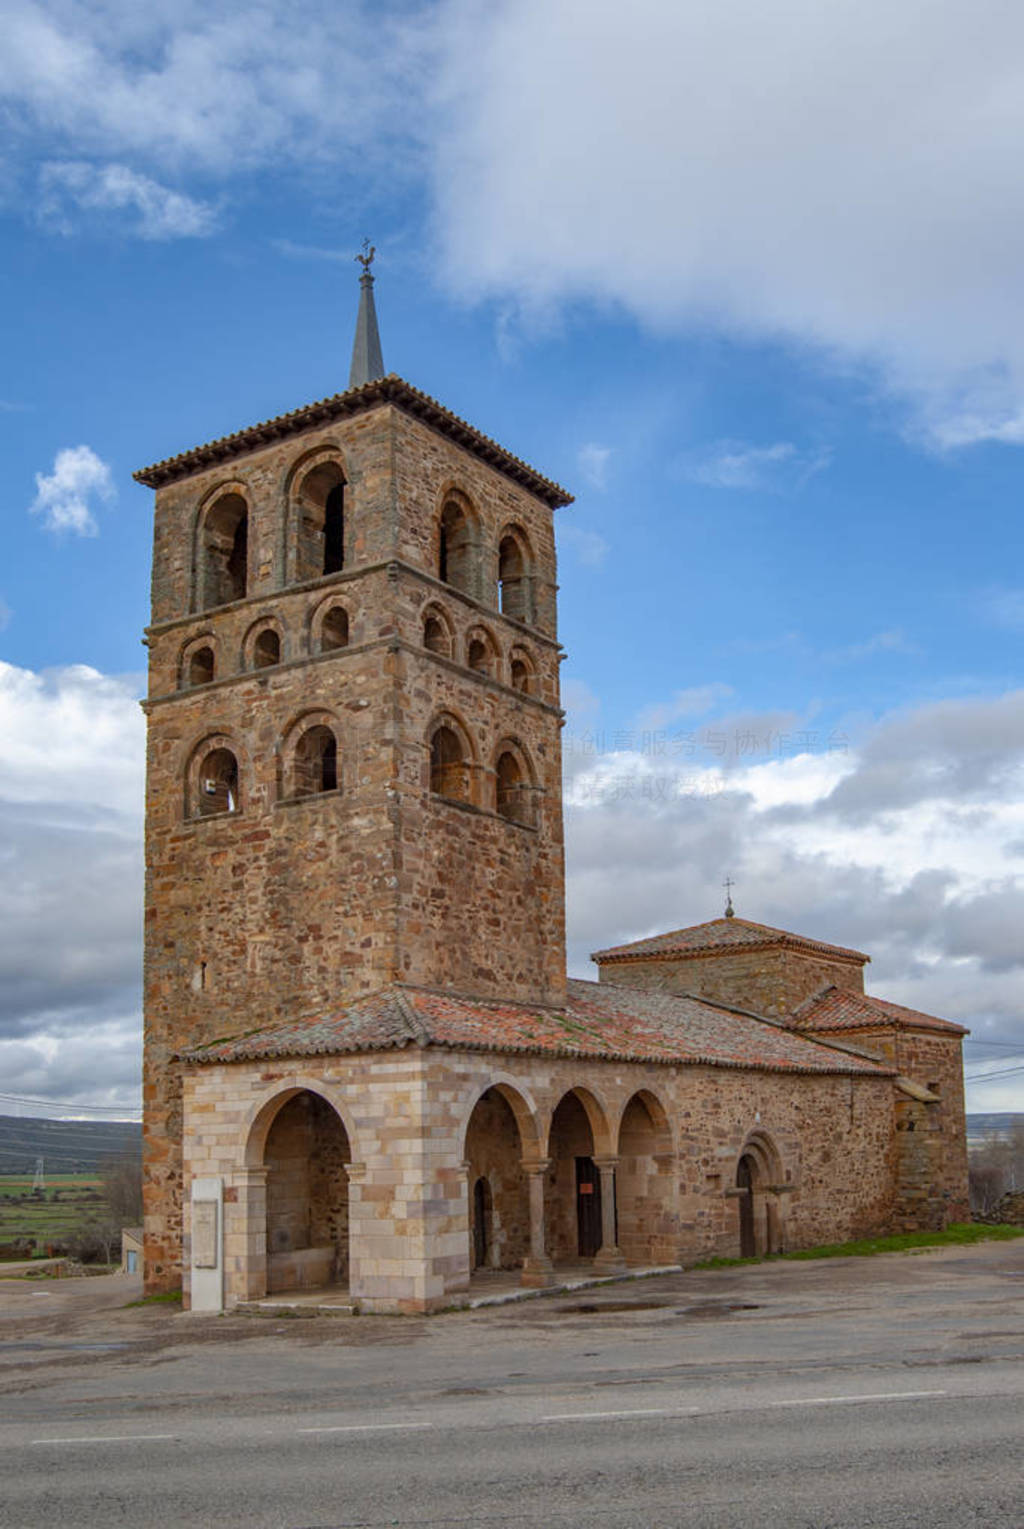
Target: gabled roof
x=722, y=934
x=383, y=390
x=836, y=1009
x=599, y=1022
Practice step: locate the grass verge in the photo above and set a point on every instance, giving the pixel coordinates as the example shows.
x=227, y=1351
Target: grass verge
x=960, y=1234
x=165, y=1298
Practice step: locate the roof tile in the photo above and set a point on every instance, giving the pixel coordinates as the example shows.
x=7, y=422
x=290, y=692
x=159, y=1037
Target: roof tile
x=836, y=1009
x=722, y=934
x=599, y=1022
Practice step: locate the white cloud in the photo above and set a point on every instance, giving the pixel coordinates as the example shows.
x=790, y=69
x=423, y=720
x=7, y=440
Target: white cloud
x=734, y=464
x=71, y=794
x=696, y=701
x=70, y=187
x=892, y=843
x=63, y=497
x=220, y=87
x=845, y=175
x=592, y=461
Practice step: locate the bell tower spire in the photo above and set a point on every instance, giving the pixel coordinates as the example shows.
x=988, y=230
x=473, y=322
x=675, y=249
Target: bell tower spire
x=367, y=358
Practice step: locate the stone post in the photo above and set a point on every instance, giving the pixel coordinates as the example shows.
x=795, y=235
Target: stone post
x=609, y=1259
x=538, y=1270
x=249, y=1281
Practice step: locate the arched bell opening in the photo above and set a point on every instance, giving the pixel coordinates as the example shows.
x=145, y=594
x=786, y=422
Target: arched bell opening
x=307, y=1155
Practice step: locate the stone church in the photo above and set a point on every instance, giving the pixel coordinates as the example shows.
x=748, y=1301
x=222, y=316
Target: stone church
x=364, y=1064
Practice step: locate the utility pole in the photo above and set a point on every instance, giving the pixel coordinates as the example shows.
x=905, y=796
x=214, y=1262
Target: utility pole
x=38, y=1182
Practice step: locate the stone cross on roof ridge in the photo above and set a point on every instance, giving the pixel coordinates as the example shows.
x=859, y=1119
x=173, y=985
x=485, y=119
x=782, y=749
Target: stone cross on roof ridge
x=367, y=357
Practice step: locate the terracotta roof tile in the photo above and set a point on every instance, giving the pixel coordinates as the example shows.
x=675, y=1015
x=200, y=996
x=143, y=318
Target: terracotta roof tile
x=722, y=934
x=836, y=1009
x=599, y=1022
x=384, y=390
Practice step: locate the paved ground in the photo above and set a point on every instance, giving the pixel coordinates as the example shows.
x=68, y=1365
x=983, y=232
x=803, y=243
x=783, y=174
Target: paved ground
x=835, y=1395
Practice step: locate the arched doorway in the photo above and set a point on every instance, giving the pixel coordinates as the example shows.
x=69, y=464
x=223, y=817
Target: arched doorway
x=759, y=1196
x=499, y=1206
x=574, y=1182
x=644, y=1181
x=306, y=1156
x=745, y=1185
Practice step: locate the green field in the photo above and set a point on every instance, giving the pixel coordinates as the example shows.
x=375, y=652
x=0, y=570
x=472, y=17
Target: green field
x=68, y=1204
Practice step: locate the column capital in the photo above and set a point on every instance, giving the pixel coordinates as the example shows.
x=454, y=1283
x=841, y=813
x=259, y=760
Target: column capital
x=535, y=1165
x=608, y=1160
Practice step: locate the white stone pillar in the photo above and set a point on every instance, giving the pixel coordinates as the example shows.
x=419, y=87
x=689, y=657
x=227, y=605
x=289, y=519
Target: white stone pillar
x=538, y=1270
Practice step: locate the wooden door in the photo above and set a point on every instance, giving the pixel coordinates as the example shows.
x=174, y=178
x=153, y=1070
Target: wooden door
x=588, y=1207
x=481, y=1223
x=745, y=1183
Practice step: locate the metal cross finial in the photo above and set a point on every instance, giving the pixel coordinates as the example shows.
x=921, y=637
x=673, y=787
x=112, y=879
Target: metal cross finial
x=728, y=884
x=366, y=258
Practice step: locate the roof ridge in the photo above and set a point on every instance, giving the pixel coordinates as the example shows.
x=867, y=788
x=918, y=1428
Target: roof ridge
x=390, y=388
x=419, y=1031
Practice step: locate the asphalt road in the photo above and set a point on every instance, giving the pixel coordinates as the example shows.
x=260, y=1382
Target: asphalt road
x=883, y=1392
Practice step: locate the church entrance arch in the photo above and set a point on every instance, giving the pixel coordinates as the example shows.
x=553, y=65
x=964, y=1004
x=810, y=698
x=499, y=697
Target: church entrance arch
x=499, y=1205
x=758, y=1180
x=306, y=1154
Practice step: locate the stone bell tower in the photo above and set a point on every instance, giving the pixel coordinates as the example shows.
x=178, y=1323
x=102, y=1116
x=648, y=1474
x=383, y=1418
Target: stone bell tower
x=353, y=756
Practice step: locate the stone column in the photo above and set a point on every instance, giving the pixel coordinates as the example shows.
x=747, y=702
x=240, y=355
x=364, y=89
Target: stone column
x=249, y=1283
x=609, y=1259
x=538, y=1270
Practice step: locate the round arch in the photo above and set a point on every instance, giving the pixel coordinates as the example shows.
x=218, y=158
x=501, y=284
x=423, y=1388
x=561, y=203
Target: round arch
x=265, y=1109
x=314, y=521
x=220, y=546
x=598, y=1114
x=309, y=755
x=522, y=1105
x=657, y=1114
x=263, y=644
x=221, y=791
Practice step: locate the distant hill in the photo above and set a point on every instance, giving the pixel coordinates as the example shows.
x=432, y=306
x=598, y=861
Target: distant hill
x=994, y=1124
x=66, y=1146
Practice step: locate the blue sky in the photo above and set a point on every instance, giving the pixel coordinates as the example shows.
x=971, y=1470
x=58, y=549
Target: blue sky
x=748, y=283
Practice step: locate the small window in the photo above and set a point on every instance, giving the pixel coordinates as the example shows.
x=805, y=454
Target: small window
x=511, y=789
x=521, y=677
x=266, y=649
x=218, y=784
x=316, y=762
x=334, y=629
x=201, y=667
x=479, y=657
x=449, y=773
x=435, y=637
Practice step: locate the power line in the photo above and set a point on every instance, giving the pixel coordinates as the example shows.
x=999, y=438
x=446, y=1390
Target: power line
x=60, y=1104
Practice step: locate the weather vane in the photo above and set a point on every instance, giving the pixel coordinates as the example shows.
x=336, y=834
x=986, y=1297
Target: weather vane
x=728, y=884
x=366, y=258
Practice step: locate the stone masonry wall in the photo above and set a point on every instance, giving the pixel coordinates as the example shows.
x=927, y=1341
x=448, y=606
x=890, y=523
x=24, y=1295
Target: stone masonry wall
x=292, y=904
x=769, y=982
x=931, y=1138
x=407, y=1115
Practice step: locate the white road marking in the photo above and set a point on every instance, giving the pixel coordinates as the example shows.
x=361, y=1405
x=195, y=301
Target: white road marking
x=873, y=1396
x=111, y=1438
x=638, y=1412
x=363, y=1427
